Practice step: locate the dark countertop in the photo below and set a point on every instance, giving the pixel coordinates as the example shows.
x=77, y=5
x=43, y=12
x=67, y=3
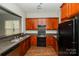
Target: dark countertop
x=47, y=34
x=5, y=45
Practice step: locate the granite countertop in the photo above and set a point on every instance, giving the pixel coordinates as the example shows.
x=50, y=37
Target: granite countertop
x=5, y=45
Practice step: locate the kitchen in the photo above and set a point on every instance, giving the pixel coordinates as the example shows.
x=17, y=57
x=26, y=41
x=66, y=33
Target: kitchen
x=39, y=29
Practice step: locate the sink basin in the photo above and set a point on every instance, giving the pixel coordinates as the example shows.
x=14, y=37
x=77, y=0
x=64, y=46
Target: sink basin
x=21, y=38
x=15, y=40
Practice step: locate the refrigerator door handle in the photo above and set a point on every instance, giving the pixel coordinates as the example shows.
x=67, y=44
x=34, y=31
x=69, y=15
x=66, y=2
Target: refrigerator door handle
x=73, y=42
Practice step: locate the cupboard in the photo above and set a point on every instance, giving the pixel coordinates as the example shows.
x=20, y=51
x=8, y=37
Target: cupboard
x=24, y=46
x=15, y=52
x=68, y=10
x=34, y=40
x=29, y=24
x=35, y=24
x=21, y=49
x=64, y=11
x=74, y=9
x=32, y=23
x=55, y=23
x=51, y=41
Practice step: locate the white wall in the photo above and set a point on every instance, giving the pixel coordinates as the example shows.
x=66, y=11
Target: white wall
x=43, y=14
x=47, y=31
x=17, y=10
x=12, y=7
x=53, y=32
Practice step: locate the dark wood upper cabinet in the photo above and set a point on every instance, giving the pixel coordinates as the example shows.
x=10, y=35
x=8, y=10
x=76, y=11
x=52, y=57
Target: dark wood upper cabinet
x=32, y=23
x=69, y=10
x=29, y=24
x=74, y=8
x=64, y=11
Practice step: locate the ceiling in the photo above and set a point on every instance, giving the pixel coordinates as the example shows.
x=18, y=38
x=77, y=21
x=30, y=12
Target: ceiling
x=34, y=7
x=45, y=7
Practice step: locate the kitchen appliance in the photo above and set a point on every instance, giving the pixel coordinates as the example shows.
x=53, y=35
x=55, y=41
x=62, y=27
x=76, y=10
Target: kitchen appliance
x=68, y=37
x=41, y=38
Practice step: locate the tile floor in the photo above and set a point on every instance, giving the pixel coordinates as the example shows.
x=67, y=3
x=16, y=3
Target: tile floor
x=41, y=51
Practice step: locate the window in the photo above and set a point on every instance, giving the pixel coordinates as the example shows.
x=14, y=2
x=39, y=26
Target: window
x=10, y=23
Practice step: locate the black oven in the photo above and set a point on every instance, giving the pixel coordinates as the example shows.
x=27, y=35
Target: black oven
x=41, y=38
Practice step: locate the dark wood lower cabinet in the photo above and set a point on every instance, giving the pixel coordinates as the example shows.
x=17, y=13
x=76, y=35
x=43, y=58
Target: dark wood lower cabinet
x=21, y=49
x=50, y=40
x=32, y=41
x=15, y=52
x=24, y=46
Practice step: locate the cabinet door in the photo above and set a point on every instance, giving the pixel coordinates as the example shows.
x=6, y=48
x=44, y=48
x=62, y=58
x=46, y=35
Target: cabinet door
x=64, y=11
x=55, y=23
x=52, y=24
x=49, y=25
x=35, y=24
x=51, y=41
x=48, y=40
x=22, y=48
x=29, y=44
x=33, y=40
x=29, y=24
x=69, y=10
x=74, y=8
x=15, y=52
x=26, y=45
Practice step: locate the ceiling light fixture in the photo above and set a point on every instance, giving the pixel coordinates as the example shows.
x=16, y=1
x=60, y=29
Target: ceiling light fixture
x=39, y=6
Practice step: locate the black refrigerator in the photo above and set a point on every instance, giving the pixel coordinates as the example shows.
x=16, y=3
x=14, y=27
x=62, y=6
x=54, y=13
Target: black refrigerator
x=68, y=37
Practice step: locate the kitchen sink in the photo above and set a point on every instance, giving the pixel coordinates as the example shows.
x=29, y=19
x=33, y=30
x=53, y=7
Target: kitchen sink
x=15, y=40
